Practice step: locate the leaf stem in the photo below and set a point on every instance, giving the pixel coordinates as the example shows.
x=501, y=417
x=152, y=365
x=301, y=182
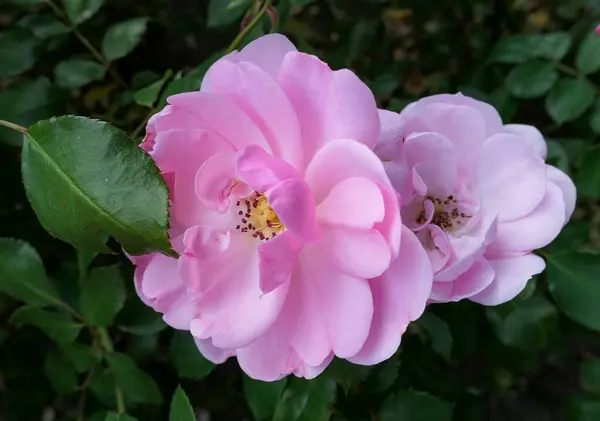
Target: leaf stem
x=82, y=398
x=573, y=72
x=97, y=55
x=257, y=17
x=13, y=126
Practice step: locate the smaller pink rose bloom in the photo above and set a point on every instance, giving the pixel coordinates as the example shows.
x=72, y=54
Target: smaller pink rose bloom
x=288, y=229
x=477, y=193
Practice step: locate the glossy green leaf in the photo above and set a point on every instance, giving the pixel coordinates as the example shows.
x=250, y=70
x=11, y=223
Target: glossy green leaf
x=122, y=38
x=85, y=179
x=188, y=361
x=515, y=49
x=413, y=406
x=383, y=375
x=83, y=357
x=137, y=385
x=225, y=12
x=523, y=323
x=531, y=79
x=587, y=59
x=573, y=283
x=22, y=274
x=26, y=103
x=553, y=46
x=103, y=385
x=61, y=373
x=43, y=26
x=102, y=295
x=81, y=10
x=181, y=410
x=262, y=397
x=73, y=74
x=569, y=99
x=346, y=374
x=588, y=177
x=18, y=51
x=305, y=400
x=58, y=326
x=147, y=96
x=438, y=333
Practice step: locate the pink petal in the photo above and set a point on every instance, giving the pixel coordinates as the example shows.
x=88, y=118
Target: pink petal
x=437, y=245
x=358, y=253
x=391, y=137
x=493, y=122
x=340, y=159
x=329, y=104
x=260, y=170
x=399, y=297
x=478, y=277
x=512, y=177
x=160, y=277
x=181, y=311
x=220, y=115
x=567, y=187
x=354, y=202
x=233, y=310
x=412, y=211
x=261, y=98
x=276, y=259
x=267, y=52
x=292, y=201
x=511, y=277
x=211, y=352
x=214, y=180
x=531, y=135
x=435, y=161
x=533, y=231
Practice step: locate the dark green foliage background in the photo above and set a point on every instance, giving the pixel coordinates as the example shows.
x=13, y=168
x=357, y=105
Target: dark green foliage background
x=77, y=344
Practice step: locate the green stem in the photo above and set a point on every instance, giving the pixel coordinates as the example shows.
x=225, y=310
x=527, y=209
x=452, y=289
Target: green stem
x=97, y=55
x=573, y=72
x=257, y=17
x=107, y=345
x=13, y=126
x=142, y=124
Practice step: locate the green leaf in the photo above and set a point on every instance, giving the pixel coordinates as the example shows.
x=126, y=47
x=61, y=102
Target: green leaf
x=102, y=295
x=18, y=51
x=583, y=408
x=84, y=260
x=225, y=12
x=82, y=356
x=181, y=409
x=346, y=374
x=589, y=375
x=573, y=283
x=26, y=103
x=588, y=177
x=515, y=49
x=569, y=99
x=525, y=323
x=113, y=416
x=22, y=274
x=139, y=319
x=119, y=191
x=146, y=97
x=187, y=359
x=137, y=385
x=262, y=397
x=412, y=406
x=384, y=375
x=587, y=59
x=438, y=333
x=531, y=79
x=123, y=37
x=58, y=326
x=43, y=26
x=306, y=400
x=61, y=373
x=506, y=105
x=73, y=74
x=81, y=10
x=553, y=46
x=103, y=386
x=595, y=118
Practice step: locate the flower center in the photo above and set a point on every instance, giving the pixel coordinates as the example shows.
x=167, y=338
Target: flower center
x=447, y=213
x=258, y=218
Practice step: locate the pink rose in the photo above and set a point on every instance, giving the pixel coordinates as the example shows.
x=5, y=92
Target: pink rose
x=477, y=194
x=289, y=232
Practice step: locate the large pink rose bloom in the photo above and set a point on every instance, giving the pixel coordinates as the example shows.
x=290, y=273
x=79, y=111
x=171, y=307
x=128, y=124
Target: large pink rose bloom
x=477, y=193
x=288, y=229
